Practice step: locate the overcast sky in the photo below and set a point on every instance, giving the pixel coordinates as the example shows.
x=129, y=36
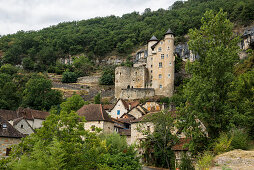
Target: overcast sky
x=27, y=15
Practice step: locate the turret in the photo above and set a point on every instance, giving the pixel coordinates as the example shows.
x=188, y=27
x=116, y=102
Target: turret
x=151, y=42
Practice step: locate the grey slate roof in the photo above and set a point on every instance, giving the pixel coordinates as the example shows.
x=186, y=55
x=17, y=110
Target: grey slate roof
x=153, y=38
x=169, y=32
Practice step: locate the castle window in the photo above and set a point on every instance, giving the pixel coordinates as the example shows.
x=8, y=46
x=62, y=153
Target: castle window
x=160, y=64
x=21, y=126
x=120, y=73
x=118, y=112
x=162, y=56
x=159, y=49
x=136, y=73
x=168, y=75
x=170, y=63
x=151, y=58
x=169, y=41
x=151, y=77
x=160, y=76
x=168, y=48
x=160, y=86
x=167, y=55
x=151, y=66
x=151, y=71
x=161, y=42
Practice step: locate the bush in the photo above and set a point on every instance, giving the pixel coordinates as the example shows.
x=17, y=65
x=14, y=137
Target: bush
x=240, y=139
x=186, y=163
x=69, y=77
x=205, y=160
x=28, y=63
x=223, y=144
x=8, y=69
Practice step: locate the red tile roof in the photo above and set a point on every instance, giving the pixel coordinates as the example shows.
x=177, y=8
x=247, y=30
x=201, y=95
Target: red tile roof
x=27, y=113
x=180, y=144
x=108, y=106
x=94, y=112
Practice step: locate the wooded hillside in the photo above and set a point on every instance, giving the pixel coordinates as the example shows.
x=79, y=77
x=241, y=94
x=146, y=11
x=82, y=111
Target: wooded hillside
x=100, y=36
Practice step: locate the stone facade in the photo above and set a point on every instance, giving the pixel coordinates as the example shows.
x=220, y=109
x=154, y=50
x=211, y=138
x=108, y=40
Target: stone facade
x=107, y=127
x=129, y=77
x=157, y=72
x=137, y=93
x=136, y=135
x=6, y=142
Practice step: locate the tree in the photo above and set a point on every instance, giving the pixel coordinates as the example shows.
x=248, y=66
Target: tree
x=97, y=99
x=72, y=103
x=8, y=69
x=108, y=76
x=157, y=145
x=9, y=97
x=28, y=63
x=206, y=92
x=69, y=77
x=39, y=95
x=83, y=66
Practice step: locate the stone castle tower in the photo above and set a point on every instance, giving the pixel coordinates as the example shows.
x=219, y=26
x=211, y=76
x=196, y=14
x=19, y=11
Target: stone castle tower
x=161, y=65
x=154, y=77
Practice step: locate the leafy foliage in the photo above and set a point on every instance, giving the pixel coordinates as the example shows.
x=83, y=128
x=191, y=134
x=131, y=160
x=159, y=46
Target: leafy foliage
x=206, y=91
x=158, y=144
x=69, y=77
x=39, y=95
x=108, y=76
x=72, y=103
x=100, y=36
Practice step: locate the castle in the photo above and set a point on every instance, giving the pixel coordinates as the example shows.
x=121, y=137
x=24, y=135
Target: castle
x=154, y=76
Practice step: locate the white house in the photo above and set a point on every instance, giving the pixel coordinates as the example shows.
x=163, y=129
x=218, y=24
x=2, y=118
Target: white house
x=96, y=117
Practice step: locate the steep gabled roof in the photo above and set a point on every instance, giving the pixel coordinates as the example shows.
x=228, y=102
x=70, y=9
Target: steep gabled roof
x=31, y=114
x=16, y=121
x=7, y=130
x=8, y=114
x=94, y=112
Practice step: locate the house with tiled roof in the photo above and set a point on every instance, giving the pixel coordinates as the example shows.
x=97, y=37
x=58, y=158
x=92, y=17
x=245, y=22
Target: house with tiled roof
x=96, y=117
x=33, y=117
x=8, y=137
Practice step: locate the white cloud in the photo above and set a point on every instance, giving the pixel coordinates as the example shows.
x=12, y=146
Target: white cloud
x=27, y=15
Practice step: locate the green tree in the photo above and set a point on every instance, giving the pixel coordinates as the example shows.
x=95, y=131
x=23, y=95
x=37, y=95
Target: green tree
x=108, y=76
x=9, y=96
x=83, y=66
x=8, y=69
x=28, y=63
x=158, y=144
x=206, y=92
x=97, y=99
x=39, y=95
x=72, y=103
x=69, y=77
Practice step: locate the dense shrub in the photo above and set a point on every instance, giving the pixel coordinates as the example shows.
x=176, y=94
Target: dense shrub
x=204, y=160
x=69, y=77
x=186, y=163
x=240, y=139
x=223, y=144
x=108, y=76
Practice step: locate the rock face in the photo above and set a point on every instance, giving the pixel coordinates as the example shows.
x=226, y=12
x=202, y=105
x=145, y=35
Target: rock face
x=235, y=160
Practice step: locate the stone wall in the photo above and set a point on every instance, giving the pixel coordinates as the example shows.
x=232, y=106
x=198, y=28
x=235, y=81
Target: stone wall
x=6, y=143
x=89, y=80
x=130, y=77
x=136, y=93
x=136, y=135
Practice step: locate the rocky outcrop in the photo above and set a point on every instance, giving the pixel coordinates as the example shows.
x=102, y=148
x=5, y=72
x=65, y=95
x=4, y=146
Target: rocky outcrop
x=235, y=160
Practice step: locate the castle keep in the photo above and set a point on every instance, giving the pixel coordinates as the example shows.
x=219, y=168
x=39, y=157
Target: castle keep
x=153, y=76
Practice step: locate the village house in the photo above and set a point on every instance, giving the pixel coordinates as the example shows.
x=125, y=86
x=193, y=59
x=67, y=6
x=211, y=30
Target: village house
x=96, y=117
x=22, y=125
x=8, y=137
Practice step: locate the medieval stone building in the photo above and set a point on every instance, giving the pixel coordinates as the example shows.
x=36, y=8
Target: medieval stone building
x=153, y=77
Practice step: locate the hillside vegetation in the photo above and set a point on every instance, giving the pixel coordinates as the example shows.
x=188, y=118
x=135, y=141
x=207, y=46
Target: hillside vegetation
x=100, y=36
